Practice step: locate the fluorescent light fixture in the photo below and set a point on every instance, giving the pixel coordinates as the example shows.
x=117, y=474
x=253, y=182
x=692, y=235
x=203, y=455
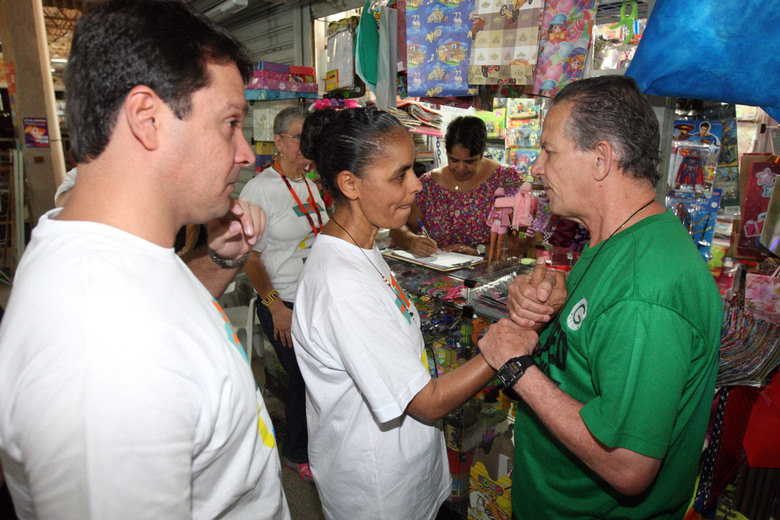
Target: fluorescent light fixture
x=59, y=60
x=225, y=8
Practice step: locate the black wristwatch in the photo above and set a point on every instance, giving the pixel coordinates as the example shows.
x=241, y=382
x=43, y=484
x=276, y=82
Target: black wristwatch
x=514, y=369
x=227, y=263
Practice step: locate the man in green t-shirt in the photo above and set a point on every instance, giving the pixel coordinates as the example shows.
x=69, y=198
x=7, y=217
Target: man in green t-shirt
x=616, y=398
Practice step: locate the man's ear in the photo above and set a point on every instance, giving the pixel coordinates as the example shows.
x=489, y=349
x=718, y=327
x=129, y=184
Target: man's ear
x=347, y=183
x=603, y=159
x=142, y=108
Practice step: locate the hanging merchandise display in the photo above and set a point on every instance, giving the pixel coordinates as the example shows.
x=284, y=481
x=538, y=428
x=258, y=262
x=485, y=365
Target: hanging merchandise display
x=614, y=45
x=505, y=39
x=698, y=214
x=564, y=39
x=438, y=47
x=761, y=183
x=522, y=135
x=705, y=52
x=727, y=174
x=695, y=152
x=340, y=78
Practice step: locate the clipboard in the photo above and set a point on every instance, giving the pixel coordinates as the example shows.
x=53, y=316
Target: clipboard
x=444, y=261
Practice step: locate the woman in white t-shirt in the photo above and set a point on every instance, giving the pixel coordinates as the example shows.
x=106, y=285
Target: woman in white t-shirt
x=296, y=214
x=371, y=406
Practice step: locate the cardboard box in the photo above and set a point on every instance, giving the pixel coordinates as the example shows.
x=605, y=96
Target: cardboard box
x=263, y=124
x=287, y=85
x=299, y=69
x=276, y=67
x=264, y=148
x=490, y=490
x=267, y=95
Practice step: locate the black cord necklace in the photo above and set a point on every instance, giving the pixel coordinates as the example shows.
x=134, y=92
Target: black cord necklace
x=542, y=348
x=384, y=278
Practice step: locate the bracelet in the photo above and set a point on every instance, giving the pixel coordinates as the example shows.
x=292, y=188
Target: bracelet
x=227, y=263
x=268, y=300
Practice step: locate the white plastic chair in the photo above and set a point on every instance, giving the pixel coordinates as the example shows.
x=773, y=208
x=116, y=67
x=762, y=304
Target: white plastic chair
x=244, y=320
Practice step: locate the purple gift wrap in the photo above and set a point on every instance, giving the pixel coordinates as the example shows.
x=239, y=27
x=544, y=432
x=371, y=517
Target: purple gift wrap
x=275, y=67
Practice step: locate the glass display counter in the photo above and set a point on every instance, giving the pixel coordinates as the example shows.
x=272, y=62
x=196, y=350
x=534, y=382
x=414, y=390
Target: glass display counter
x=455, y=308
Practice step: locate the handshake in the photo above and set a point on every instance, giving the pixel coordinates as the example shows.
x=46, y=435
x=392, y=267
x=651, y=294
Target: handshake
x=534, y=300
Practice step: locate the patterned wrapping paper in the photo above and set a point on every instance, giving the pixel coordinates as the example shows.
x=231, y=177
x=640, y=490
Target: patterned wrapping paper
x=401, y=6
x=567, y=26
x=505, y=41
x=270, y=80
x=438, y=47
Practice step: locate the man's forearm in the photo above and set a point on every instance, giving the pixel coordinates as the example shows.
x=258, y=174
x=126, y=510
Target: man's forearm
x=628, y=472
x=213, y=277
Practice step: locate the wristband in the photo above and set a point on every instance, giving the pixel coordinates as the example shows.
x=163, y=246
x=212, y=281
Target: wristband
x=268, y=300
x=227, y=263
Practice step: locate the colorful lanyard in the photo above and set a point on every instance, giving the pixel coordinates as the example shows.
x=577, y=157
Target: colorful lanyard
x=300, y=204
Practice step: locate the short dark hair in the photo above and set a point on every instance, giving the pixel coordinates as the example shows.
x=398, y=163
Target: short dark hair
x=704, y=123
x=345, y=140
x=467, y=131
x=120, y=44
x=613, y=109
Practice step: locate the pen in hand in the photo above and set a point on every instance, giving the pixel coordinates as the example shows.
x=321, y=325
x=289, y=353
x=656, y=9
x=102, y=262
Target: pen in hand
x=422, y=228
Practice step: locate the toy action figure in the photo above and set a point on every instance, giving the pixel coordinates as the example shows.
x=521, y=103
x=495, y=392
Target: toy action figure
x=499, y=223
x=691, y=170
x=521, y=206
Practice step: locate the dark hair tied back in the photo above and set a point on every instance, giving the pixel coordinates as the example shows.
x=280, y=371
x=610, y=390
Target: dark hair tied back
x=346, y=140
x=312, y=127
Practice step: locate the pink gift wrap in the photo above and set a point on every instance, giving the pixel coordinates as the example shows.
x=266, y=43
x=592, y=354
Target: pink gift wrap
x=276, y=84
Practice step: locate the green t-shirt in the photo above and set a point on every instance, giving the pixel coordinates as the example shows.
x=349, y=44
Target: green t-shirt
x=637, y=343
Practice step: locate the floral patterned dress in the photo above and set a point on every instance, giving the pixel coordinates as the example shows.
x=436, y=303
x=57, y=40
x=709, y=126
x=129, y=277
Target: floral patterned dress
x=458, y=217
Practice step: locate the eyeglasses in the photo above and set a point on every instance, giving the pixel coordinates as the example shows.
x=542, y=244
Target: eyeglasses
x=297, y=137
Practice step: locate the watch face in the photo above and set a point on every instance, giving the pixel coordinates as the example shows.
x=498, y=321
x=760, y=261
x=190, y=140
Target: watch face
x=513, y=370
x=510, y=372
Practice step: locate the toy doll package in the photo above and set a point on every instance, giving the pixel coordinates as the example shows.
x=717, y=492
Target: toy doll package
x=695, y=151
x=698, y=214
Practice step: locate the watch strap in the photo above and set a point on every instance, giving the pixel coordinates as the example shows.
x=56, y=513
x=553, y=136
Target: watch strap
x=227, y=263
x=514, y=369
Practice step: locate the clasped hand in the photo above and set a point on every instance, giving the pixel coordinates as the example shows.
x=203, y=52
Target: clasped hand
x=534, y=299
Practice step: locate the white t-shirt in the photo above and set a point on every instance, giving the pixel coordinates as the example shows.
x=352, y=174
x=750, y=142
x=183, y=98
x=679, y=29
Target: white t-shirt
x=67, y=182
x=288, y=234
x=125, y=393
x=360, y=350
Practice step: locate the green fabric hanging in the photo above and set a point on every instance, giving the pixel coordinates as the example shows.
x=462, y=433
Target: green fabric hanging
x=367, y=47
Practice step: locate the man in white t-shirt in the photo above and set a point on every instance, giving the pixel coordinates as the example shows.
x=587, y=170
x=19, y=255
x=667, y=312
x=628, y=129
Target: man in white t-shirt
x=125, y=392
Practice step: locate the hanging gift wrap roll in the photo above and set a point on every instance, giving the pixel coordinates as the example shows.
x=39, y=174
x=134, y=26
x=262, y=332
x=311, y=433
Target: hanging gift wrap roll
x=505, y=40
x=438, y=48
x=567, y=26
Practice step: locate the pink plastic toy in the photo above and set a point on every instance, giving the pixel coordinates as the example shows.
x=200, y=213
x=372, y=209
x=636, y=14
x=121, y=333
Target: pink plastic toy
x=521, y=206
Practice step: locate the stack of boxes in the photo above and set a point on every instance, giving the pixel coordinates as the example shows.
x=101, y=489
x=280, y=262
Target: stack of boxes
x=271, y=81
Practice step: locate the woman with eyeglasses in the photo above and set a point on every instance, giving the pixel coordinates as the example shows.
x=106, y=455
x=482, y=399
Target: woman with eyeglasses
x=296, y=214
